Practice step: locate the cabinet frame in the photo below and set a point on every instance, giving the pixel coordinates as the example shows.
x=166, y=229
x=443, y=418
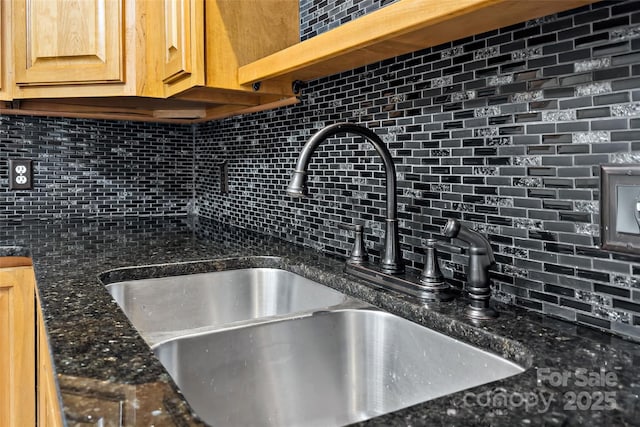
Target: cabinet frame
x=6, y=71
x=183, y=40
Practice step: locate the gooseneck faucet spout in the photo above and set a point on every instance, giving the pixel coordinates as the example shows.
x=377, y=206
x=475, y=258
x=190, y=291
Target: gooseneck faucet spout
x=391, y=260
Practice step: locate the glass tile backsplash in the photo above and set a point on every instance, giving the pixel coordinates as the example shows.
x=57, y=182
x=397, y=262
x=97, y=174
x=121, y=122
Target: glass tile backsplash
x=504, y=131
x=91, y=168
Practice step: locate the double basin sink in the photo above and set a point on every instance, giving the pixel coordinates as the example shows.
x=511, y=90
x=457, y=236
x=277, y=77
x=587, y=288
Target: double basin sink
x=264, y=346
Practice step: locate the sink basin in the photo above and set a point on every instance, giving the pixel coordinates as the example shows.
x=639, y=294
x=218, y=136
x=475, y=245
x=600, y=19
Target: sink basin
x=166, y=307
x=327, y=369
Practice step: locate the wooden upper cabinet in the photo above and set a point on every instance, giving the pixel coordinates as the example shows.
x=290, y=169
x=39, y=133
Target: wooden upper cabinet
x=203, y=42
x=5, y=33
x=68, y=41
x=237, y=36
x=3, y=73
x=156, y=60
x=183, y=44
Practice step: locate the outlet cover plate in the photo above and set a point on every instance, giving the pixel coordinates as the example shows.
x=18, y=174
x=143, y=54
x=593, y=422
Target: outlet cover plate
x=20, y=174
x=620, y=207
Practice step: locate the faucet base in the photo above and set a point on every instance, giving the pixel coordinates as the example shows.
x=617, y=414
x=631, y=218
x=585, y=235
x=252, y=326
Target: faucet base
x=437, y=291
x=484, y=313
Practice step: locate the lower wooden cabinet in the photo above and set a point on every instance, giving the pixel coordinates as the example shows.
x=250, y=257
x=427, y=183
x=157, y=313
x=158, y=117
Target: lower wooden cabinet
x=17, y=347
x=28, y=392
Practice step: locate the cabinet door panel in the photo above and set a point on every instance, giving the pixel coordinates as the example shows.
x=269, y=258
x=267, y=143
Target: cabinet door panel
x=3, y=22
x=17, y=344
x=177, y=21
x=68, y=41
x=5, y=32
x=182, y=44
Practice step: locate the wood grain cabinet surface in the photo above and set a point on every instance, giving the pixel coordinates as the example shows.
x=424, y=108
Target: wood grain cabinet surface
x=3, y=73
x=204, y=42
x=28, y=390
x=68, y=42
x=5, y=33
x=17, y=347
x=182, y=42
x=152, y=60
x=68, y=49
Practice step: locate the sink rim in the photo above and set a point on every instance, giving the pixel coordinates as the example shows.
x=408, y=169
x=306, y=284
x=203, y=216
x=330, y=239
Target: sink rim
x=132, y=299
x=352, y=306
x=490, y=341
x=437, y=320
x=208, y=265
x=503, y=363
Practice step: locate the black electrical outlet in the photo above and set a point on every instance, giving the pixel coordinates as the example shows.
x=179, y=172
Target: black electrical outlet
x=20, y=174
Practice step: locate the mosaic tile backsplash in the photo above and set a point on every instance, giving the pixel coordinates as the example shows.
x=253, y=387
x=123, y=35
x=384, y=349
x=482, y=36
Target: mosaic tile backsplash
x=90, y=168
x=504, y=131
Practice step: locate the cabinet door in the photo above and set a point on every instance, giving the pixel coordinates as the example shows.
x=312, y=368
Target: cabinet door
x=5, y=32
x=3, y=22
x=182, y=44
x=68, y=41
x=17, y=347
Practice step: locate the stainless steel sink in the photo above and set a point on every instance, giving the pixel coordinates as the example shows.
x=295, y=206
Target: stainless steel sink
x=326, y=369
x=162, y=308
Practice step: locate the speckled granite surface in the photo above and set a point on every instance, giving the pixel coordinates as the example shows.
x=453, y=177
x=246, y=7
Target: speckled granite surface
x=575, y=376
x=14, y=251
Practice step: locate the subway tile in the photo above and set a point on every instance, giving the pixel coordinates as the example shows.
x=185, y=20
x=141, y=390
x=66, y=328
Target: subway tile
x=590, y=113
x=626, y=305
x=611, y=49
x=543, y=297
x=558, y=290
x=611, y=73
x=610, y=290
x=616, y=98
x=576, y=304
x=593, y=321
x=591, y=39
x=542, y=83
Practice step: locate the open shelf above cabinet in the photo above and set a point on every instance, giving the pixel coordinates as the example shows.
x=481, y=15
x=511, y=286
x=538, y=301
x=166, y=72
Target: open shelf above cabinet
x=399, y=28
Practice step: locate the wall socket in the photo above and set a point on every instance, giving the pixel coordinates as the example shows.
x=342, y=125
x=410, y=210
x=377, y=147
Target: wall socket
x=20, y=174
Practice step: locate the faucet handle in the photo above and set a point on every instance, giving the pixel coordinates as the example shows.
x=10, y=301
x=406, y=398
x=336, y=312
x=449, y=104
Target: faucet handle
x=431, y=279
x=431, y=273
x=358, y=253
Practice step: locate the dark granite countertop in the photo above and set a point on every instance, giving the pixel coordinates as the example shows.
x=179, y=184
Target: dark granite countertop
x=99, y=357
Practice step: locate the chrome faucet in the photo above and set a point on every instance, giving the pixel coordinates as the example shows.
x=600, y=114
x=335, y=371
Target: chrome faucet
x=480, y=260
x=391, y=259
